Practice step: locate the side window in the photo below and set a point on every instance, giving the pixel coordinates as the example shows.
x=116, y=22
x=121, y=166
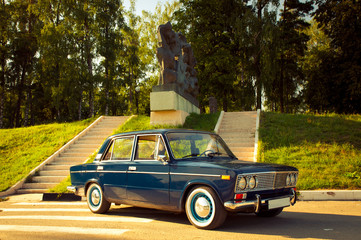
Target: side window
x=120, y=149
x=150, y=147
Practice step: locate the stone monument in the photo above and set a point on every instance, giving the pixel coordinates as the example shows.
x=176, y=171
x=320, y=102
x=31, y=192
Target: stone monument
x=175, y=96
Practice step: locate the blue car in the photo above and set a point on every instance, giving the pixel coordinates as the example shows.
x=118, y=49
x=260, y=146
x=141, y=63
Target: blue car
x=182, y=171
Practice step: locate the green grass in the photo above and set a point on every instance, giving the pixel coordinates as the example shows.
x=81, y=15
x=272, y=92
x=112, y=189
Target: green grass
x=22, y=149
x=325, y=148
x=206, y=122
x=139, y=123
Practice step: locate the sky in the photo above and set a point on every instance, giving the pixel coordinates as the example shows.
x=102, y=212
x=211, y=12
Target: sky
x=147, y=5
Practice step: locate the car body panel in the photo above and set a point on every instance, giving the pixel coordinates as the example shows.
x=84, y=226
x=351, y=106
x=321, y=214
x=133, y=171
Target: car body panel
x=165, y=184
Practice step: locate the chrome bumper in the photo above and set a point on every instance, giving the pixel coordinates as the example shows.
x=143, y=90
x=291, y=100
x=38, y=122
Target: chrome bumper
x=257, y=204
x=72, y=189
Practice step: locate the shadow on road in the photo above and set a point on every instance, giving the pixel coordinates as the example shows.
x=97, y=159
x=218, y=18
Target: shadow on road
x=288, y=224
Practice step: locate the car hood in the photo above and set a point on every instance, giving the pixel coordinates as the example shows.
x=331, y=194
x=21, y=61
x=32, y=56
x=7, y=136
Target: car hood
x=241, y=166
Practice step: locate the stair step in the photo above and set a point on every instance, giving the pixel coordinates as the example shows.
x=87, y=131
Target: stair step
x=86, y=145
x=237, y=135
x=53, y=167
x=240, y=144
x=243, y=154
x=77, y=153
x=236, y=131
x=79, y=150
x=27, y=191
x=39, y=185
x=54, y=173
x=242, y=149
x=48, y=179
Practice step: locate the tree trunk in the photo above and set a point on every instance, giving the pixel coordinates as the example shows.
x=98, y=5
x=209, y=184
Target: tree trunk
x=281, y=86
x=257, y=61
x=20, y=97
x=90, y=68
x=80, y=106
x=2, y=92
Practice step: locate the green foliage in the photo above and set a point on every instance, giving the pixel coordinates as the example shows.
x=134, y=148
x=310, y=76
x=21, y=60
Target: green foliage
x=62, y=186
x=325, y=148
x=338, y=73
x=206, y=122
x=22, y=149
x=139, y=123
x=213, y=30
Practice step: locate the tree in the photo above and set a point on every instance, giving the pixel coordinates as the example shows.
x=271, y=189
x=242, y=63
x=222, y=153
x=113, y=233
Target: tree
x=109, y=22
x=210, y=27
x=4, y=54
x=340, y=20
x=293, y=46
x=318, y=67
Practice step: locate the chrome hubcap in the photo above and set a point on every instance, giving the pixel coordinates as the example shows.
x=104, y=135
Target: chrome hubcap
x=202, y=207
x=95, y=197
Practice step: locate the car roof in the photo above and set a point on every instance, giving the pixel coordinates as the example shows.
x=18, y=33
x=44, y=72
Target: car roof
x=160, y=131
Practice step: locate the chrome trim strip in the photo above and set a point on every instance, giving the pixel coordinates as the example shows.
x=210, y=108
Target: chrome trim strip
x=196, y=174
x=106, y=171
x=77, y=171
x=158, y=173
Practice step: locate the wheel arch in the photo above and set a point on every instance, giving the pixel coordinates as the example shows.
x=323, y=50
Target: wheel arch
x=89, y=182
x=192, y=185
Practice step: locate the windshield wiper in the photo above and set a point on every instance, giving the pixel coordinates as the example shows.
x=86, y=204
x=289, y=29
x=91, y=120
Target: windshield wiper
x=212, y=154
x=191, y=155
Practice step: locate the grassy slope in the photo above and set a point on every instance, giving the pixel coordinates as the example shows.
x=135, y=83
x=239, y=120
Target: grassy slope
x=325, y=148
x=22, y=149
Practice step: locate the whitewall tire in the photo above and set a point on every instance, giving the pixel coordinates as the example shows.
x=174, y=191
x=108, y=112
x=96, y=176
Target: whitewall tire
x=204, y=209
x=95, y=199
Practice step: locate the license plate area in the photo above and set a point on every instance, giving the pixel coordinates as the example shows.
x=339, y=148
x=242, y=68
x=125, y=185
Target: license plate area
x=278, y=203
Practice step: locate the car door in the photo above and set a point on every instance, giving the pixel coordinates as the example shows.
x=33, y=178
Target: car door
x=148, y=174
x=114, y=165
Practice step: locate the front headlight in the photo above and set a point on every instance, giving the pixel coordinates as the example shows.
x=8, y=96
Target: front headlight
x=242, y=183
x=252, y=182
x=293, y=179
x=288, y=180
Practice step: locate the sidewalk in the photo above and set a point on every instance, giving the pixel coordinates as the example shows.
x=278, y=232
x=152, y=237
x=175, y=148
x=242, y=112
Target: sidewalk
x=330, y=195
x=318, y=195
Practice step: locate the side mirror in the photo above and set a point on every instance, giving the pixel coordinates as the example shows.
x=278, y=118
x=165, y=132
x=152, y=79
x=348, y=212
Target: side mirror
x=163, y=159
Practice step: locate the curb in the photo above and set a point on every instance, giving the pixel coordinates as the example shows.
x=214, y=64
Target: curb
x=67, y=197
x=317, y=195
x=330, y=195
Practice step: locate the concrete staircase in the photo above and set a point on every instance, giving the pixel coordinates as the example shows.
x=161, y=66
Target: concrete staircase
x=78, y=152
x=238, y=130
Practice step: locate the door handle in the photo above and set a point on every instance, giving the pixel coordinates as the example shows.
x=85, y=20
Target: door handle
x=100, y=168
x=132, y=168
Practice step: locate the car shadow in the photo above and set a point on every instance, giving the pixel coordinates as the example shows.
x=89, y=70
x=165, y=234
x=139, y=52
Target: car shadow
x=288, y=224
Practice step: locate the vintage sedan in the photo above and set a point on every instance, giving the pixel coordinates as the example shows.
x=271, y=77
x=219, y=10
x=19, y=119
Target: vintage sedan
x=182, y=170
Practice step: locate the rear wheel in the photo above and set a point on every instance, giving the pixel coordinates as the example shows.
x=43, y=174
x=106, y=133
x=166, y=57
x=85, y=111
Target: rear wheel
x=95, y=199
x=204, y=209
x=269, y=213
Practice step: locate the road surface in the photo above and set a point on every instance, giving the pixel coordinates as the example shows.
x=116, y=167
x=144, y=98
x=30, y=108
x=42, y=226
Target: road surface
x=73, y=220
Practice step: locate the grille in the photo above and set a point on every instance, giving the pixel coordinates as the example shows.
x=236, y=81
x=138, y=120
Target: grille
x=265, y=181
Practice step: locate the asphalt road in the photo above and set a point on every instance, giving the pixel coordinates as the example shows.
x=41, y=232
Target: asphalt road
x=72, y=220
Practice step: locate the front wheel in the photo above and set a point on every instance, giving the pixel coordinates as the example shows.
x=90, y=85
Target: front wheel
x=204, y=209
x=95, y=199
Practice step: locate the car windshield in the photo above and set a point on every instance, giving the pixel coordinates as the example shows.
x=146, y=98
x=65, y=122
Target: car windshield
x=186, y=145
